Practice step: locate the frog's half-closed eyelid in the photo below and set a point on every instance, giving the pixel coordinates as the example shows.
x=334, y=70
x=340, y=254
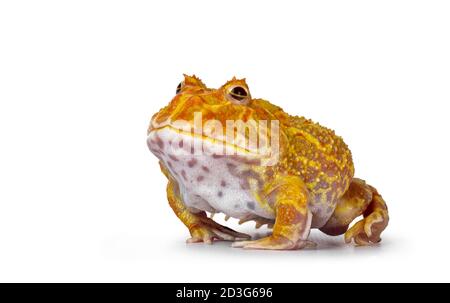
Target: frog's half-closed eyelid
x=238, y=94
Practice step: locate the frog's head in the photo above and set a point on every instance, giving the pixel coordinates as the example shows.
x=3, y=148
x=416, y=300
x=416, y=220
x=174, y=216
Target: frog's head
x=229, y=102
x=225, y=119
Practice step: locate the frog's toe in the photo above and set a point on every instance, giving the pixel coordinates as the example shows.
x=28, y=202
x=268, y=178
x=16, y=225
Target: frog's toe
x=203, y=235
x=205, y=240
x=367, y=231
x=229, y=237
x=357, y=234
x=209, y=231
x=361, y=239
x=223, y=232
x=271, y=242
x=307, y=244
x=262, y=221
x=374, y=224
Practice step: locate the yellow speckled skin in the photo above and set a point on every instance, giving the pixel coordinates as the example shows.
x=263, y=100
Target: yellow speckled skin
x=311, y=186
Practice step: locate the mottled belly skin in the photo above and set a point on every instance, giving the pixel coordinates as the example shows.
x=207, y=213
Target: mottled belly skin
x=207, y=182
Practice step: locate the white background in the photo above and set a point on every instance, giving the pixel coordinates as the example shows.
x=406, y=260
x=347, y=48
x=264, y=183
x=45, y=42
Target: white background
x=82, y=198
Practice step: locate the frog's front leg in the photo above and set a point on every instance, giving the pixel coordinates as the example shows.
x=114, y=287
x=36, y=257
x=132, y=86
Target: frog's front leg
x=292, y=217
x=202, y=228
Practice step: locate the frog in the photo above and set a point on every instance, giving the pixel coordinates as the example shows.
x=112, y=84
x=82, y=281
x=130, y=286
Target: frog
x=299, y=177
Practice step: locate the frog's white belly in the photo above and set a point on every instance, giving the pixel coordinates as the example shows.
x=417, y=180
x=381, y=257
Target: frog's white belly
x=207, y=181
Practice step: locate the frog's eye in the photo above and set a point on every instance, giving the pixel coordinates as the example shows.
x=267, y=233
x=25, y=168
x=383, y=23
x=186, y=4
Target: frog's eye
x=238, y=94
x=179, y=87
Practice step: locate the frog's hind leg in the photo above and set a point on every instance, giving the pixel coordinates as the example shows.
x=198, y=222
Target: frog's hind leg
x=359, y=199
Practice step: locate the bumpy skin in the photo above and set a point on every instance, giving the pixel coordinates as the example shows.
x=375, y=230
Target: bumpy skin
x=311, y=186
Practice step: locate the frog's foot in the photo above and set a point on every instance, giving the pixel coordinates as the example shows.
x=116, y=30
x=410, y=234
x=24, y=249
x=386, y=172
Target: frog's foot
x=368, y=230
x=274, y=243
x=208, y=231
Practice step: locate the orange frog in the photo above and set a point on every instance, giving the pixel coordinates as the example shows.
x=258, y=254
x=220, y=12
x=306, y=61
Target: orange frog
x=223, y=151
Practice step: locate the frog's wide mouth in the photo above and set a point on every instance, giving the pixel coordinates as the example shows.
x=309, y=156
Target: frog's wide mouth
x=196, y=138
x=175, y=141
